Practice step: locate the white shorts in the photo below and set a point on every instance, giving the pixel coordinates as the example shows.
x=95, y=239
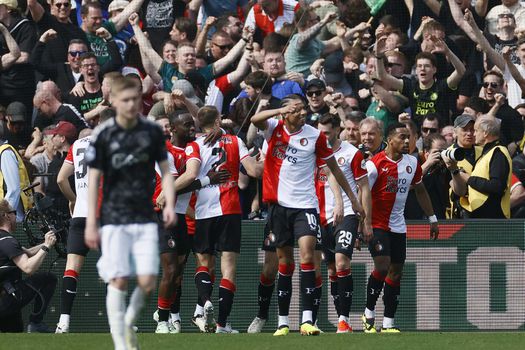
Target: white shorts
x=128, y=250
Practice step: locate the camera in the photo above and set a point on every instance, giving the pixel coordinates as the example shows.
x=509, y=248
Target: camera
x=456, y=154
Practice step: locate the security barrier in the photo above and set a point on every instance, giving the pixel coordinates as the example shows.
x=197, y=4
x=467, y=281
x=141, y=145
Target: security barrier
x=470, y=279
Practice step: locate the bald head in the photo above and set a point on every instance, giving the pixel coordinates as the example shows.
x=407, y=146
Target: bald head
x=47, y=98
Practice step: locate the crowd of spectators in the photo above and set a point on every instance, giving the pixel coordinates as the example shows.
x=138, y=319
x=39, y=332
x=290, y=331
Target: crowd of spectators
x=452, y=70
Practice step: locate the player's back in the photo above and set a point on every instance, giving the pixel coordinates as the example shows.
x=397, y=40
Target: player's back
x=390, y=183
x=225, y=154
x=76, y=157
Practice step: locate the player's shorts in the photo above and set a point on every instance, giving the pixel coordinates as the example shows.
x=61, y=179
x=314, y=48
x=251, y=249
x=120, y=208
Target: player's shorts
x=75, y=237
x=218, y=234
x=385, y=243
x=129, y=250
x=288, y=225
x=340, y=239
x=174, y=239
x=268, y=244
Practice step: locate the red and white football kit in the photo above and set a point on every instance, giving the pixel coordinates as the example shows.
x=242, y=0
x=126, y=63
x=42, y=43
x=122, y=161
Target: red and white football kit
x=352, y=164
x=226, y=154
x=75, y=156
x=290, y=165
x=390, y=182
x=257, y=18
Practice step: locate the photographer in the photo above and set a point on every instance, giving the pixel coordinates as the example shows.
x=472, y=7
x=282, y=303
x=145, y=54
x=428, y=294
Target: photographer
x=15, y=293
x=486, y=192
x=435, y=174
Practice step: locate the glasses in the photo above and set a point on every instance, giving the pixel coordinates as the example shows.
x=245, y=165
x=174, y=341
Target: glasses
x=506, y=15
x=491, y=84
x=223, y=47
x=62, y=4
x=314, y=93
x=76, y=53
x=429, y=130
x=90, y=65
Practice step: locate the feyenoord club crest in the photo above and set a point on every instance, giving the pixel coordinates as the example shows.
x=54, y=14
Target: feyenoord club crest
x=341, y=160
x=379, y=247
x=409, y=169
x=303, y=142
x=189, y=150
x=171, y=243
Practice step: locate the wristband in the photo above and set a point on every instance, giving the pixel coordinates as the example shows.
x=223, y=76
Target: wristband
x=45, y=249
x=205, y=182
x=245, y=40
x=432, y=219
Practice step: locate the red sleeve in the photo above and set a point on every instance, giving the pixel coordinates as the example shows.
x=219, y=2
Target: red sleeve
x=224, y=85
x=320, y=163
x=297, y=6
x=69, y=157
x=358, y=166
x=514, y=180
x=418, y=177
x=193, y=151
x=322, y=150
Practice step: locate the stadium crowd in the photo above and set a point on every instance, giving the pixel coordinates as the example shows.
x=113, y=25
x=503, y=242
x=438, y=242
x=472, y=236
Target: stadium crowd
x=451, y=71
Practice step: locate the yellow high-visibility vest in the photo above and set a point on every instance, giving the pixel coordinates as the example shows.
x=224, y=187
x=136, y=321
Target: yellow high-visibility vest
x=22, y=173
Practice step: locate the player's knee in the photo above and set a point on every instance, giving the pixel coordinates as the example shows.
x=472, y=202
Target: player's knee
x=169, y=272
x=307, y=257
x=270, y=270
x=395, y=275
x=342, y=265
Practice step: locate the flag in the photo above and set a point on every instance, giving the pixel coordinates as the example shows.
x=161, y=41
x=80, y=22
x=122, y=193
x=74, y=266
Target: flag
x=375, y=6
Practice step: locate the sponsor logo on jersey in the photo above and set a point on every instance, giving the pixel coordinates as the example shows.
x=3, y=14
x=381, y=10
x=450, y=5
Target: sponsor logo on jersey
x=304, y=142
x=284, y=152
x=341, y=160
x=394, y=185
x=385, y=170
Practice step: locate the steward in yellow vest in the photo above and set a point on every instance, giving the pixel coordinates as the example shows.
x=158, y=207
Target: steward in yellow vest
x=22, y=174
x=486, y=191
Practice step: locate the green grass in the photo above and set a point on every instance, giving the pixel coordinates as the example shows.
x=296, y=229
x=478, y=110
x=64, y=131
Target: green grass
x=404, y=341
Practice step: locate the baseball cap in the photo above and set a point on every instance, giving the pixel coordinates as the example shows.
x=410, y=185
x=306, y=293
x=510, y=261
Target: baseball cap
x=333, y=69
x=317, y=83
x=63, y=128
x=463, y=120
x=17, y=111
x=12, y=4
x=187, y=89
x=116, y=5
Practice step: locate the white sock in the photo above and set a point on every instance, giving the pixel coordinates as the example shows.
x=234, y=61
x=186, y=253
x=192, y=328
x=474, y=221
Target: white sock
x=136, y=303
x=283, y=321
x=307, y=316
x=199, y=310
x=115, y=307
x=343, y=318
x=64, y=320
x=388, y=322
x=175, y=317
x=370, y=313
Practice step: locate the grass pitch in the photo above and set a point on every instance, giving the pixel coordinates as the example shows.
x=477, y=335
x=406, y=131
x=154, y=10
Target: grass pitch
x=404, y=341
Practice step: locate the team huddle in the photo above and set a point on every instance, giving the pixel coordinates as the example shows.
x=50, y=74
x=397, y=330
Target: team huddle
x=144, y=192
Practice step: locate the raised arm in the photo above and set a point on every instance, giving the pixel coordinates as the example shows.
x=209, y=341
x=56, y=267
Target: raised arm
x=14, y=51
x=48, y=69
x=121, y=19
x=115, y=61
x=455, y=77
x=260, y=119
x=389, y=82
x=200, y=43
x=480, y=39
x=387, y=98
x=304, y=37
x=516, y=75
x=238, y=74
x=457, y=14
x=434, y=6
x=151, y=60
x=481, y=7
x=36, y=10
x=233, y=54
x=338, y=42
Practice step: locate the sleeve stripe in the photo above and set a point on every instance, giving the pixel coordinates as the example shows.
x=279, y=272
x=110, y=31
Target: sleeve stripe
x=361, y=177
x=330, y=156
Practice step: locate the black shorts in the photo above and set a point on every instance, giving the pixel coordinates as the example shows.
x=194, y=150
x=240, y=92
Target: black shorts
x=75, y=238
x=340, y=239
x=218, y=234
x=385, y=243
x=174, y=240
x=289, y=224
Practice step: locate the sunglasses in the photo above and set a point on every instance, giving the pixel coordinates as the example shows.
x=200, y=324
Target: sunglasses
x=76, y=53
x=393, y=64
x=491, y=84
x=62, y=4
x=314, y=93
x=506, y=15
x=223, y=47
x=429, y=130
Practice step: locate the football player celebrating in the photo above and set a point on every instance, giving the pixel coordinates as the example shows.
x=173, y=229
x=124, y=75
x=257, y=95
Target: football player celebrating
x=391, y=173
x=217, y=213
x=338, y=218
x=288, y=187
